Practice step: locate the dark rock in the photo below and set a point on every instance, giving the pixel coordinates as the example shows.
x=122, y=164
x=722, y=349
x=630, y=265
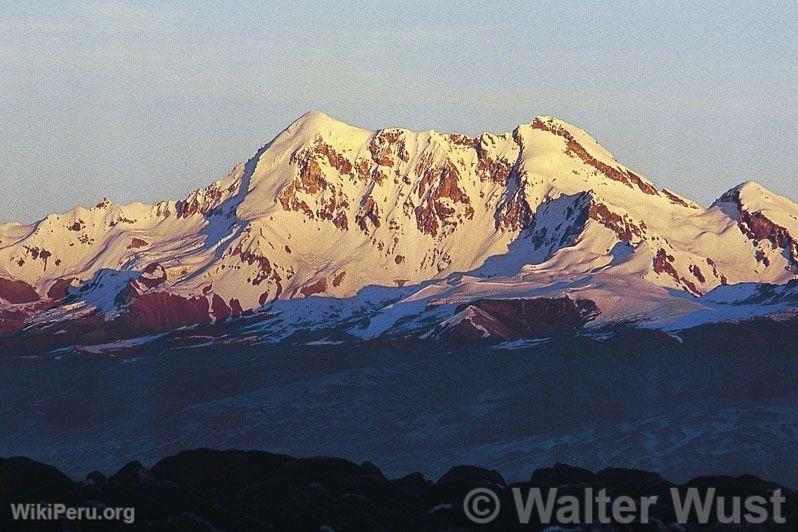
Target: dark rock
x=632, y=481
x=561, y=474
x=207, y=490
x=22, y=479
x=471, y=475
x=220, y=475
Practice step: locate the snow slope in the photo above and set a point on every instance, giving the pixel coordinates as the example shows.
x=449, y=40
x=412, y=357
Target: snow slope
x=326, y=209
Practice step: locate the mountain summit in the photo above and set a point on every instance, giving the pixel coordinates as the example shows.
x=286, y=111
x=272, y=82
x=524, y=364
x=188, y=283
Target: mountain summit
x=326, y=209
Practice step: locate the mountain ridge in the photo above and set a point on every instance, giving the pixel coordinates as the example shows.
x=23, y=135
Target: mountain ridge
x=328, y=209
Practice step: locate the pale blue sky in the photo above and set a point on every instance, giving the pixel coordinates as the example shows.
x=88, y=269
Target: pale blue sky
x=149, y=100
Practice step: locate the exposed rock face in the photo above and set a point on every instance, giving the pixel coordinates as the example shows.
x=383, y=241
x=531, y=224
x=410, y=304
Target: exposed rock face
x=512, y=319
x=622, y=226
x=319, y=287
x=12, y=321
x=60, y=288
x=755, y=224
x=138, y=243
x=515, y=213
x=664, y=264
x=220, y=309
x=369, y=215
x=204, y=201
x=326, y=208
x=153, y=275
x=159, y=311
x=17, y=291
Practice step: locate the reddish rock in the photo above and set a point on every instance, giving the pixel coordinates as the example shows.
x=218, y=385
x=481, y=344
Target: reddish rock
x=264, y=266
x=203, y=202
x=757, y=227
x=309, y=158
x=696, y=271
x=77, y=226
x=459, y=139
x=489, y=169
x=318, y=287
x=11, y=321
x=311, y=178
x=35, y=254
x=716, y=272
x=368, y=213
x=153, y=276
x=339, y=278
x=59, y=289
x=509, y=319
x=162, y=311
x=620, y=225
x=341, y=221
x=290, y=202
x=17, y=292
x=516, y=213
x=138, y=243
x=662, y=264
x=436, y=186
x=385, y=145
x=235, y=308
x=220, y=308
x=674, y=198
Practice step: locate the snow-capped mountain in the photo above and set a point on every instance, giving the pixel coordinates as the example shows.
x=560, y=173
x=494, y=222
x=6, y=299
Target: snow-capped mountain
x=395, y=230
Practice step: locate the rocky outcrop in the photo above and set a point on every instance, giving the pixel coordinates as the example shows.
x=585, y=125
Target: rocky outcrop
x=206, y=489
x=60, y=288
x=16, y=292
x=138, y=243
x=756, y=225
x=12, y=321
x=396, y=209
x=153, y=276
x=623, y=226
x=513, y=319
x=318, y=287
x=369, y=216
x=161, y=311
x=664, y=264
x=205, y=200
x=441, y=193
x=515, y=213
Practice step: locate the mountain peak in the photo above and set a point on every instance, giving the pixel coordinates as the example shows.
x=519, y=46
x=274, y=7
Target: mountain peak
x=747, y=188
x=326, y=208
x=314, y=118
x=316, y=123
x=751, y=194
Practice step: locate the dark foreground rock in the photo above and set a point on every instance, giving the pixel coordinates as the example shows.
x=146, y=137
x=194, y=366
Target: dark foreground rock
x=204, y=490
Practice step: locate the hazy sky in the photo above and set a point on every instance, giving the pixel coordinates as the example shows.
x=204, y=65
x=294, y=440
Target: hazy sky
x=149, y=100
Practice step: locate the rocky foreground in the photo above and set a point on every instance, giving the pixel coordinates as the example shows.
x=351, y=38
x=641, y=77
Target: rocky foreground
x=236, y=490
